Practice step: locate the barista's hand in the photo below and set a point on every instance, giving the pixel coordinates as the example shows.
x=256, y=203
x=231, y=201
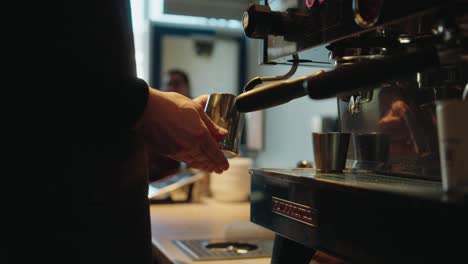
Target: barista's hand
x=176, y=127
x=201, y=100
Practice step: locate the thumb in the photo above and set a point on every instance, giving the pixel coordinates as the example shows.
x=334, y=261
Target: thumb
x=201, y=100
x=216, y=131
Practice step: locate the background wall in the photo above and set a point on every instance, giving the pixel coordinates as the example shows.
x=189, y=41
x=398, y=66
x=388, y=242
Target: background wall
x=218, y=71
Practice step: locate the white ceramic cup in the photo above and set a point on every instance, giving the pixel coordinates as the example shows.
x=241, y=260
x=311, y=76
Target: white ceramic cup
x=232, y=185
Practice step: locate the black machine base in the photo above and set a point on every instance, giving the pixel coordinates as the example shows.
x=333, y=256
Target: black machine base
x=288, y=251
x=360, y=218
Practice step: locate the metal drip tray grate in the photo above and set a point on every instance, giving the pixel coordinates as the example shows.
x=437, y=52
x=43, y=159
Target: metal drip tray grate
x=205, y=249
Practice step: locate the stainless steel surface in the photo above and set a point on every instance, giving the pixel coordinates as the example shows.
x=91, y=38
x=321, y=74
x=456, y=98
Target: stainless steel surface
x=403, y=107
x=374, y=181
x=211, y=249
x=371, y=151
x=406, y=114
x=222, y=110
x=330, y=150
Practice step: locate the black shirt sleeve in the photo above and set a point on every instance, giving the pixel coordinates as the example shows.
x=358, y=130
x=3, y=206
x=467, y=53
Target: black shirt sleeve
x=105, y=103
x=105, y=52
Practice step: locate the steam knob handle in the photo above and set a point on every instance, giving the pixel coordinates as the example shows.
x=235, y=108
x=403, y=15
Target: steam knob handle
x=259, y=22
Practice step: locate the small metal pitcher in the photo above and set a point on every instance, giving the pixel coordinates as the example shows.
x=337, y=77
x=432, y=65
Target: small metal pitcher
x=222, y=110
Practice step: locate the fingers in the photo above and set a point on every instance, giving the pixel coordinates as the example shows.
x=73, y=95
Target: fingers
x=207, y=156
x=211, y=149
x=199, y=161
x=198, y=165
x=216, y=131
x=209, y=146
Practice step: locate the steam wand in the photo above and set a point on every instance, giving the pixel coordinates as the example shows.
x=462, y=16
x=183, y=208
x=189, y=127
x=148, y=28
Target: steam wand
x=260, y=79
x=342, y=80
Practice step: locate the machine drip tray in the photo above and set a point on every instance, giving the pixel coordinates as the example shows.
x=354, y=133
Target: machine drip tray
x=208, y=249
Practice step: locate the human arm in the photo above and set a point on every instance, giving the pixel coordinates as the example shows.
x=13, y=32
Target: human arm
x=176, y=127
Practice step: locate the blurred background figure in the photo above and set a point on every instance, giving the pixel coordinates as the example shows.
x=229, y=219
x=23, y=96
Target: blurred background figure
x=176, y=81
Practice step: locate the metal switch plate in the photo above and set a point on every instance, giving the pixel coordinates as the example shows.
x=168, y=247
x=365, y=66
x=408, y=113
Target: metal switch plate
x=208, y=249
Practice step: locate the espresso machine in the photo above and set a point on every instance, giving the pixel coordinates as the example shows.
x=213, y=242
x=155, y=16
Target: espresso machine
x=386, y=62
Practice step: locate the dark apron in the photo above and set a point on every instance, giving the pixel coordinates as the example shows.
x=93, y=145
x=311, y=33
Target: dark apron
x=112, y=218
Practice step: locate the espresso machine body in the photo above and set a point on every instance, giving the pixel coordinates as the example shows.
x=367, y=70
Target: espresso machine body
x=386, y=63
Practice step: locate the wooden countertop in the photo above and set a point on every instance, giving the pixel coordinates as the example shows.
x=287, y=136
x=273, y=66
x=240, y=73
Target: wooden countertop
x=208, y=219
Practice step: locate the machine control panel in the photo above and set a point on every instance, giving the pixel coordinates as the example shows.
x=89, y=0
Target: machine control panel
x=296, y=26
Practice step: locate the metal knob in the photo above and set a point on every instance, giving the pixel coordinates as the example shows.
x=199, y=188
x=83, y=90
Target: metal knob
x=259, y=22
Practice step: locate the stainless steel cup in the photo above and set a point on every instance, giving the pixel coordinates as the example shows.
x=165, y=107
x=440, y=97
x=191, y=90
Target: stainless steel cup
x=330, y=151
x=371, y=151
x=221, y=109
